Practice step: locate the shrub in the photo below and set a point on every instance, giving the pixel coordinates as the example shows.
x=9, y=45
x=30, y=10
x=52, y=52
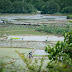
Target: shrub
x=53, y=30
x=70, y=20
x=69, y=16
x=60, y=55
x=67, y=9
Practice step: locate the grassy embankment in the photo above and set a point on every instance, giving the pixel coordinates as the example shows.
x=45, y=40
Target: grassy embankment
x=19, y=30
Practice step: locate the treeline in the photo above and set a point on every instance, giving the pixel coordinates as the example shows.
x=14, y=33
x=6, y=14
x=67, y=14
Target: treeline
x=32, y=6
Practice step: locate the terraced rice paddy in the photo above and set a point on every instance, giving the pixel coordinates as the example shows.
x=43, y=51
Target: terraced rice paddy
x=19, y=34
x=8, y=54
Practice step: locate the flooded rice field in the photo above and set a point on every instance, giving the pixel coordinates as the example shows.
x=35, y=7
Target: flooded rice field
x=36, y=38
x=33, y=18
x=35, y=41
x=22, y=44
x=40, y=52
x=38, y=42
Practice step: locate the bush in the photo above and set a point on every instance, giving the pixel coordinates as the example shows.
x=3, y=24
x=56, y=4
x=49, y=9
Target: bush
x=70, y=20
x=60, y=55
x=67, y=9
x=53, y=30
x=69, y=16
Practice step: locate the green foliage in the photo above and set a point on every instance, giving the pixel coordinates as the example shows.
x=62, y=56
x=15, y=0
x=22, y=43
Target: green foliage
x=61, y=55
x=5, y=6
x=38, y=4
x=22, y=7
x=51, y=7
x=53, y=30
x=30, y=65
x=67, y=9
x=70, y=20
x=32, y=6
x=15, y=38
x=16, y=6
x=69, y=16
x=68, y=26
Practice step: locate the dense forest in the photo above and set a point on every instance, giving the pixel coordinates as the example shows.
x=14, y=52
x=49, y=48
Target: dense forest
x=32, y=6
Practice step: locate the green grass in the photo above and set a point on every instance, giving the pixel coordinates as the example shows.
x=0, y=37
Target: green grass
x=70, y=20
x=40, y=55
x=15, y=38
x=15, y=27
x=19, y=30
x=23, y=33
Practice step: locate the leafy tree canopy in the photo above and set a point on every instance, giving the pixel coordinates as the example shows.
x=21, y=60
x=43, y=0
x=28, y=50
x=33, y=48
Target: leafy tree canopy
x=46, y=6
x=61, y=55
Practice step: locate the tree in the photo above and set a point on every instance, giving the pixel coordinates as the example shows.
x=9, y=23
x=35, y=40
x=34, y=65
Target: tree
x=67, y=9
x=51, y=7
x=30, y=8
x=46, y=6
x=17, y=7
x=38, y=4
x=61, y=55
x=5, y=6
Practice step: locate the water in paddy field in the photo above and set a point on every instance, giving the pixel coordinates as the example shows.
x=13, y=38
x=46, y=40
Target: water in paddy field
x=38, y=42
x=37, y=38
x=40, y=52
x=31, y=18
x=39, y=16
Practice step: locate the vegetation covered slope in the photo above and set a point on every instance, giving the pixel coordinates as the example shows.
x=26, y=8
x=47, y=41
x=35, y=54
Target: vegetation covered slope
x=32, y=6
